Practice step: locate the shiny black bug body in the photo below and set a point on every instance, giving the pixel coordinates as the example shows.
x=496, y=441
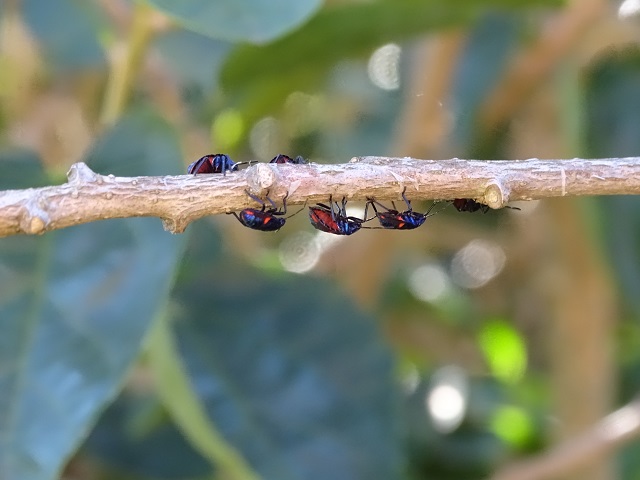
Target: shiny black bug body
x=393, y=219
x=281, y=158
x=264, y=219
x=334, y=219
x=213, y=163
x=470, y=205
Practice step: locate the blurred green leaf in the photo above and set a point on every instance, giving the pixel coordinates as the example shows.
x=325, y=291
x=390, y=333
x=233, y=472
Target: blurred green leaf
x=75, y=305
x=184, y=406
x=141, y=143
x=200, y=67
x=504, y=349
x=261, y=76
x=67, y=32
x=287, y=369
x=513, y=425
x=240, y=20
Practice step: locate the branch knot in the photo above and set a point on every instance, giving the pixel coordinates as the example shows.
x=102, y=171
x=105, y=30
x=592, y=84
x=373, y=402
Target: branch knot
x=261, y=178
x=496, y=195
x=80, y=173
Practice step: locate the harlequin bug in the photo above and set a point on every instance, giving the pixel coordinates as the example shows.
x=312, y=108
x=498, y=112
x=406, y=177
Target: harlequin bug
x=264, y=219
x=281, y=158
x=393, y=219
x=334, y=220
x=470, y=205
x=213, y=163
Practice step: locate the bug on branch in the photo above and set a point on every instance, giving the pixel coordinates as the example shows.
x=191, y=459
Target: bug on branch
x=391, y=218
x=281, y=158
x=334, y=219
x=264, y=219
x=470, y=205
x=215, y=163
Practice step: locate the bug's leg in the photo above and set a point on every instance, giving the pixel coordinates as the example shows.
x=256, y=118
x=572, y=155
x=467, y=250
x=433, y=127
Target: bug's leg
x=333, y=215
x=274, y=207
x=284, y=206
x=223, y=166
x=371, y=202
x=257, y=199
x=405, y=199
x=343, y=209
x=235, y=214
x=198, y=164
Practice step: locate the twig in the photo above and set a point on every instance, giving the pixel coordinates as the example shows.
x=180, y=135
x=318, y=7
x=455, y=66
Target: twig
x=613, y=431
x=566, y=30
x=179, y=200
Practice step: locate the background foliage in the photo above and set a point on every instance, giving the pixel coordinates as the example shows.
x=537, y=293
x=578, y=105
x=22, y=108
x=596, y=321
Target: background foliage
x=447, y=352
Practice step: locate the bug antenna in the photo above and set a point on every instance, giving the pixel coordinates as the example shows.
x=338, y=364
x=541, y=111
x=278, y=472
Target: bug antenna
x=297, y=212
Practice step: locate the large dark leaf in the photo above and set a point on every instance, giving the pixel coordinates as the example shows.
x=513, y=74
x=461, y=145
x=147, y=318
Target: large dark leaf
x=292, y=374
x=140, y=144
x=613, y=115
x=74, y=307
x=67, y=31
x=131, y=433
x=240, y=20
x=21, y=169
x=194, y=59
x=262, y=76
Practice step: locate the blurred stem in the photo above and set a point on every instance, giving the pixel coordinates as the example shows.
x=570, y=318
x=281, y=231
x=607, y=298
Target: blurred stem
x=424, y=122
x=581, y=335
x=19, y=63
x=532, y=66
x=602, y=439
x=126, y=61
x=185, y=408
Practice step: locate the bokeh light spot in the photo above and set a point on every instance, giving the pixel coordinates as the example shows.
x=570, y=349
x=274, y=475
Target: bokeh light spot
x=264, y=138
x=384, y=65
x=447, y=399
x=477, y=263
x=299, y=252
x=429, y=282
x=629, y=8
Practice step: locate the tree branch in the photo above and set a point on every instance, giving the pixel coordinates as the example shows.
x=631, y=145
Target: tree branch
x=179, y=200
x=612, y=432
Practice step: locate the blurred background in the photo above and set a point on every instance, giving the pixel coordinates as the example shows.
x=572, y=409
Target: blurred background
x=454, y=351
